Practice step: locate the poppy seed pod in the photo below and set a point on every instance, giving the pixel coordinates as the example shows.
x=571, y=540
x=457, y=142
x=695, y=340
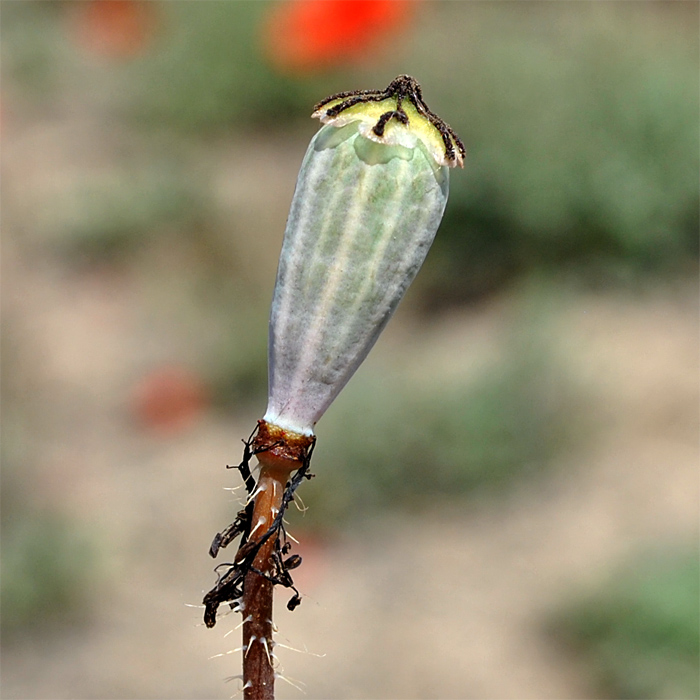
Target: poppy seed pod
x=369, y=198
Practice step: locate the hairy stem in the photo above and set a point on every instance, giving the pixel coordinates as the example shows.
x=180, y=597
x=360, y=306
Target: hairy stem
x=258, y=672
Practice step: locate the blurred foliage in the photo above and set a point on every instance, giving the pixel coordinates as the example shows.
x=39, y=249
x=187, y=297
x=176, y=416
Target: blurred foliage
x=640, y=631
x=237, y=368
x=29, y=47
x=49, y=561
x=580, y=121
x=200, y=69
x=48, y=571
x=208, y=72
x=582, y=141
x=395, y=442
x=583, y=149
x=107, y=216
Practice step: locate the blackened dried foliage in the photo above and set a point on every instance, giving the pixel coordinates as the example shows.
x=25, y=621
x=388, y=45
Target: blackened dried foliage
x=229, y=584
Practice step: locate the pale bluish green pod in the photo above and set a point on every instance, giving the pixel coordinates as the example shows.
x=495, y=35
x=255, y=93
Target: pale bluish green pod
x=363, y=217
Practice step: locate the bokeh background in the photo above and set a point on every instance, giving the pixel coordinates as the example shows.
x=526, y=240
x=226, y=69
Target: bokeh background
x=506, y=500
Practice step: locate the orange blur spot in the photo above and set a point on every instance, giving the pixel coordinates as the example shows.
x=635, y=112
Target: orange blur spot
x=169, y=399
x=302, y=36
x=115, y=28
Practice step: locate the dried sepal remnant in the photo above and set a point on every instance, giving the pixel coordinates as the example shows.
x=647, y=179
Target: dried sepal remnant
x=229, y=585
x=400, y=105
x=276, y=442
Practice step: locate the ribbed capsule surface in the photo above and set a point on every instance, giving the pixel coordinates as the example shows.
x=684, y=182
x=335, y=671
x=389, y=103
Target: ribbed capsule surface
x=361, y=223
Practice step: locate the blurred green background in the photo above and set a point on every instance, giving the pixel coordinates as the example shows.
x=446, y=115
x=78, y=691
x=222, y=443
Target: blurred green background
x=533, y=404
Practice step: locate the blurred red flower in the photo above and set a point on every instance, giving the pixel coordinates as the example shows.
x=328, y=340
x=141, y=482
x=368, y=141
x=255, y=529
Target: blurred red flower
x=115, y=28
x=169, y=399
x=302, y=36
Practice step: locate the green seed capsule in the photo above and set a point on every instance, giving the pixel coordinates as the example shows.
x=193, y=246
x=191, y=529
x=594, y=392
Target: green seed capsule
x=370, y=195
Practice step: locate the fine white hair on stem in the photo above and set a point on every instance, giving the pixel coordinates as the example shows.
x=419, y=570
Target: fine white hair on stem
x=297, y=500
x=255, y=493
x=300, y=651
x=238, y=677
x=249, y=645
x=299, y=685
x=263, y=641
x=234, y=609
x=291, y=537
x=239, y=625
x=260, y=523
x=226, y=653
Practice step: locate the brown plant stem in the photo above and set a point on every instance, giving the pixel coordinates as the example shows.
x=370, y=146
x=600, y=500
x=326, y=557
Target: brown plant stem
x=248, y=582
x=258, y=672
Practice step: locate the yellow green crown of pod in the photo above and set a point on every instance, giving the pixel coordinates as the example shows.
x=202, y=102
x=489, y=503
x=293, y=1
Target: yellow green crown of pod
x=369, y=198
x=395, y=116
